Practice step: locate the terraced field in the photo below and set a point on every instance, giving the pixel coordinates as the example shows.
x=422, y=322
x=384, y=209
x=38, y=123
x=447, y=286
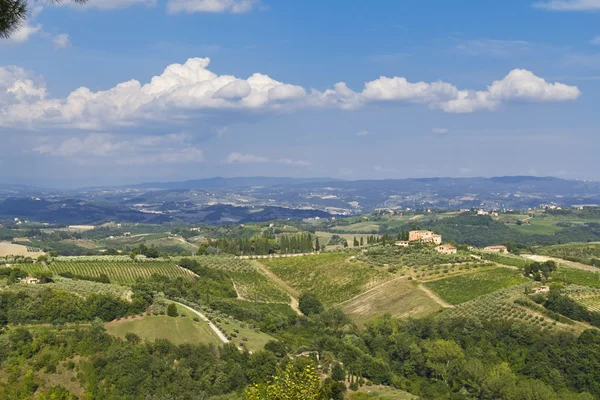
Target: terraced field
x=333, y=277
x=125, y=272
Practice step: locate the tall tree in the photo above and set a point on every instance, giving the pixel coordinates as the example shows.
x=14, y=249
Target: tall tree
x=14, y=14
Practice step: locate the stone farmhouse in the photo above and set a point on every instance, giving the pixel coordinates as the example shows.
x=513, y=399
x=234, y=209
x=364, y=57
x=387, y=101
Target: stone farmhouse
x=496, y=249
x=541, y=290
x=402, y=243
x=446, y=249
x=30, y=281
x=425, y=237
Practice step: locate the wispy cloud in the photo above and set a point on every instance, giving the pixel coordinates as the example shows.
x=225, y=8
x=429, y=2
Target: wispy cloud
x=440, y=131
x=211, y=6
x=61, y=41
x=569, y=5
x=492, y=47
x=596, y=40
x=105, y=148
x=363, y=133
x=239, y=158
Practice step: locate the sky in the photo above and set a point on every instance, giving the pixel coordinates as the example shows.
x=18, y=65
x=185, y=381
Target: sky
x=127, y=91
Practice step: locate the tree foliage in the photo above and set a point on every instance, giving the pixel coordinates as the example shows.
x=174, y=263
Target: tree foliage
x=14, y=14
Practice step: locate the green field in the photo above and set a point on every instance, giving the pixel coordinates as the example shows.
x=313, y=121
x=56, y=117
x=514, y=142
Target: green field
x=381, y=393
x=400, y=298
x=253, y=286
x=577, y=277
x=255, y=341
x=125, y=272
x=460, y=289
x=586, y=253
x=333, y=277
x=178, y=330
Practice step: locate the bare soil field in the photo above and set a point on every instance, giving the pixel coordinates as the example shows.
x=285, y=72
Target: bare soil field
x=399, y=297
x=10, y=249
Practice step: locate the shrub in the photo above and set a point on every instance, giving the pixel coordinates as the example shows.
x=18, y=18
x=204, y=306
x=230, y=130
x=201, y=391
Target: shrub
x=172, y=310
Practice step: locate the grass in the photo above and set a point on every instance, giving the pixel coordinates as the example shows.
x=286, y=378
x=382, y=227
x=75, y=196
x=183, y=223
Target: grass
x=178, y=330
x=365, y=227
x=381, y=393
x=122, y=272
x=400, y=298
x=460, y=289
x=333, y=277
x=255, y=340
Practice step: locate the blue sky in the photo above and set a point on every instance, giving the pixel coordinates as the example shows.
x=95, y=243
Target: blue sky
x=105, y=94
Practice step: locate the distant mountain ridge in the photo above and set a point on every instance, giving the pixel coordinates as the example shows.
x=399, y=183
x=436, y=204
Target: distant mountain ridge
x=222, y=183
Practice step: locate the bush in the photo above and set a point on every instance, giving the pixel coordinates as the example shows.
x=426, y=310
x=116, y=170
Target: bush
x=172, y=310
x=309, y=304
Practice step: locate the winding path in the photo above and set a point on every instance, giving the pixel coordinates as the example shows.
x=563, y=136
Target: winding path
x=210, y=324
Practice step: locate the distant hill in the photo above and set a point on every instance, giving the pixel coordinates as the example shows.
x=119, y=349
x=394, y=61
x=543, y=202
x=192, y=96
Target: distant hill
x=212, y=183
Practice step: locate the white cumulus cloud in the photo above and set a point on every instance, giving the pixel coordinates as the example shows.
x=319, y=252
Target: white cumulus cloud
x=23, y=35
x=239, y=158
x=569, y=5
x=211, y=6
x=190, y=90
x=61, y=41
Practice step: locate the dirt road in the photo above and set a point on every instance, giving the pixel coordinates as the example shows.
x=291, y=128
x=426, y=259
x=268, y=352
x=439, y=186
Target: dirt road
x=565, y=263
x=435, y=297
x=210, y=324
x=293, y=293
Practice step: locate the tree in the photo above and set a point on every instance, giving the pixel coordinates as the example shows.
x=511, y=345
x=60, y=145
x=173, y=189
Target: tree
x=362, y=241
x=14, y=13
x=172, y=310
x=43, y=276
x=310, y=304
x=290, y=385
x=338, y=373
x=317, y=245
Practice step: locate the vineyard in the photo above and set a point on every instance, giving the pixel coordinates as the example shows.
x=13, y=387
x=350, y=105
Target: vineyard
x=333, y=277
x=80, y=287
x=588, y=297
x=460, y=289
x=413, y=256
x=500, y=305
x=584, y=253
x=577, y=277
x=226, y=263
x=253, y=286
x=122, y=272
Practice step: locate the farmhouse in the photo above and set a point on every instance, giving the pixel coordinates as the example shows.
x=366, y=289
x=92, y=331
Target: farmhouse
x=127, y=234
x=425, y=237
x=496, y=249
x=402, y=243
x=30, y=281
x=541, y=290
x=446, y=249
